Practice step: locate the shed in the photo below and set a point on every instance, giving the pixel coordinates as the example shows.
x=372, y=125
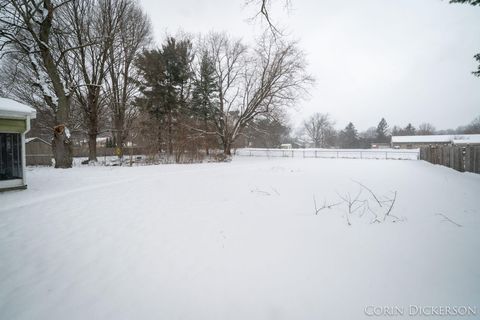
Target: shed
x=38, y=151
x=14, y=123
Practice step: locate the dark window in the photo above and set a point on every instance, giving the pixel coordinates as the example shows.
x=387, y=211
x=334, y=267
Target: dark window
x=10, y=156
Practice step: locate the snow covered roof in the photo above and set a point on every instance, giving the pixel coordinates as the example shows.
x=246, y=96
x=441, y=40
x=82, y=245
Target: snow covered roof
x=467, y=139
x=447, y=138
x=9, y=107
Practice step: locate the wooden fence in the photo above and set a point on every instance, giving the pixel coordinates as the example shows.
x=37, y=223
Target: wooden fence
x=458, y=158
x=39, y=152
x=106, y=152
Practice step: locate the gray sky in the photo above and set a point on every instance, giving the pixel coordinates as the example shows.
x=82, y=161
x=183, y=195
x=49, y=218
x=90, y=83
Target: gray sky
x=405, y=60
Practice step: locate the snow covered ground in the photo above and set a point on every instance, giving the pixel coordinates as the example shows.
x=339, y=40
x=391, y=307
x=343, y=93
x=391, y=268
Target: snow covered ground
x=237, y=240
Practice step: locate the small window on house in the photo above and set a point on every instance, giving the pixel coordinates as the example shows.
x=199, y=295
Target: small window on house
x=10, y=156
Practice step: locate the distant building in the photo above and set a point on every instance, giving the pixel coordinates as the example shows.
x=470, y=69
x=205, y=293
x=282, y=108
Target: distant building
x=380, y=145
x=14, y=123
x=413, y=142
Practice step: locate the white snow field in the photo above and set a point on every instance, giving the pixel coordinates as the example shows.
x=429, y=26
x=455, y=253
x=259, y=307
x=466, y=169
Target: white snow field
x=237, y=240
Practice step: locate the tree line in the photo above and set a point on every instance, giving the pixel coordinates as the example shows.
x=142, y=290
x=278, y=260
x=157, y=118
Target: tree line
x=89, y=67
x=318, y=131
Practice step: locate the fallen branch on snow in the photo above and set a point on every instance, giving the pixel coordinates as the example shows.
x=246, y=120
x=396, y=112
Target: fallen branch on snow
x=383, y=204
x=325, y=206
x=445, y=218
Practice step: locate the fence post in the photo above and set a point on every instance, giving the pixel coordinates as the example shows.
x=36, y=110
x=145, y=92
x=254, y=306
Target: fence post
x=446, y=157
x=476, y=159
x=459, y=158
x=468, y=159
x=452, y=157
x=315, y=154
x=462, y=159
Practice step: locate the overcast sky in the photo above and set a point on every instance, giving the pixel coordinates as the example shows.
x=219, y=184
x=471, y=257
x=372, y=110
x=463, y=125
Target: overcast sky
x=405, y=60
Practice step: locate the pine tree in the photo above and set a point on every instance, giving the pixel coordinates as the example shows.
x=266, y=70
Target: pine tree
x=396, y=131
x=382, y=131
x=205, y=88
x=166, y=74
x=349, y=136
x=409, y=130
x=205, y=94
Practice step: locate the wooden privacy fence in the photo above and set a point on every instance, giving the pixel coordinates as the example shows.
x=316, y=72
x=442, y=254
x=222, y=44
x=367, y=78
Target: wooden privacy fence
x=458, y=158
x=388, y=154
x=39, y=152
x=106, y=152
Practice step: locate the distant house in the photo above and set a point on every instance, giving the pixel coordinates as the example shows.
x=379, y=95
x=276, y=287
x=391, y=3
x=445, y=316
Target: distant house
x=38, y=151
x=412, y=142
x=14, y=123
x=380, y=145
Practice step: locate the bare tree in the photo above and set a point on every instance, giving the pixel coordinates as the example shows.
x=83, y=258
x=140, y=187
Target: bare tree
x=473, y=127
x=28, y=29
x=264, y=8
x=94, y=24
x=17, y=83
x=121, y=86
x=255, y=82
x=425, y=129
x=317, y=128
x=34, y=30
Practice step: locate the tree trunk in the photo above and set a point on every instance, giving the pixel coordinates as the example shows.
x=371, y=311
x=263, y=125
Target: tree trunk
x=207, y=152
x=92, y=109
x=170, y=142
x=227, y=145
x=160, y=139
x=62, y=147
x=92, y=146
x=119, y=134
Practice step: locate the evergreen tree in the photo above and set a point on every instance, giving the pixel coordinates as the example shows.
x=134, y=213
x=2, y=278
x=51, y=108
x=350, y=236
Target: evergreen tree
x=205, y=94
x=349, y=137
x=166, y=75
x=477, y=72
x=267, y=133
x=396, y=131
x=409, y=130
x=205, y=88
x=382, y=131
x=472, y=2
x=177, y=58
